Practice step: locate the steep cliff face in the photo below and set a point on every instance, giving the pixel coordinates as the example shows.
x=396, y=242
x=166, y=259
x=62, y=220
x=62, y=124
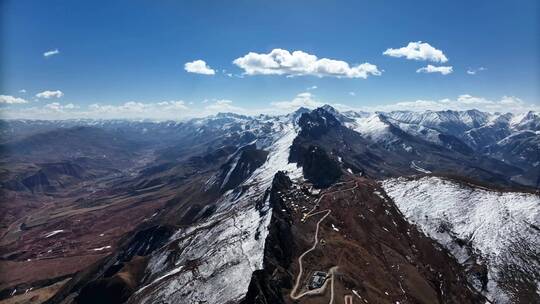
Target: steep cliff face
x=239, y=167
x=114, y=287
x=267, y=284
x=317, y=166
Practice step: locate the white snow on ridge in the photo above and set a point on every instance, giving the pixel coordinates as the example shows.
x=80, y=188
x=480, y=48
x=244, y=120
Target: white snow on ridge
x=418, y=168
x=490, y=220
x=509, y=138
x=378, y=130
x=434, y=119
x=418, y=130
x=231, y=169
x=278, y=158
x=228, y=246
x=372, y=127
x=101, y=248
x=55, y=232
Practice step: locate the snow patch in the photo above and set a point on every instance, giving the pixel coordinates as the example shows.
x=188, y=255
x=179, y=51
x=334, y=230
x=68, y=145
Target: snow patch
x=488, y=220
x=372, y=127
x=101, y=248
x=55, y=232
x=418, y=168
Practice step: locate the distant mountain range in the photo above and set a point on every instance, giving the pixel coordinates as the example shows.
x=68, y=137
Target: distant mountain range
x=221, y=209
x=506, y=143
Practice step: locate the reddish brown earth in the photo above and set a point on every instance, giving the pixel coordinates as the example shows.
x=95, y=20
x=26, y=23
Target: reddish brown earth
x=92, y=217
x=35, y=296
x=91, y=229
x=380, y=257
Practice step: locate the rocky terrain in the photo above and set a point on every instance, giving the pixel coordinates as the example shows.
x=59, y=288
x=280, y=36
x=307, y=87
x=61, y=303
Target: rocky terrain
x=238, y=209
x=497, y=229
x=377, y=255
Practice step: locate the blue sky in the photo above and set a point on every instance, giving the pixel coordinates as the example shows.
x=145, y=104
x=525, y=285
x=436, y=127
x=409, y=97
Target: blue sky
x=114, y=52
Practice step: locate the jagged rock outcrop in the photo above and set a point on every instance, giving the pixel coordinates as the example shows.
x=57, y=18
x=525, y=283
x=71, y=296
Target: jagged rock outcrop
x=267, y=284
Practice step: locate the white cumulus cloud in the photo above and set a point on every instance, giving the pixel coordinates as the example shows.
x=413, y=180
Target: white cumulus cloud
x=299, y=63
x=418, y=51
x=474, y=71
x=8, y=99
x=137, y=109
x=173, y=105
x=223, y=105
x=305, y=100
x=199, y=67
x=51, y=53
x=445, y=70
x=162, y=110
x=56, y=106
x=50, y=94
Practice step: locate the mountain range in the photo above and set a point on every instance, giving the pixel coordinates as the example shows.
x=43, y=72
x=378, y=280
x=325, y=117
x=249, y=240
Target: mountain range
x=394, y=207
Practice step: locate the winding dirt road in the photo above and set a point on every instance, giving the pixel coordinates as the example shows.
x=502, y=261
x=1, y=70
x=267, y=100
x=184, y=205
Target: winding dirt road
x=321, y=289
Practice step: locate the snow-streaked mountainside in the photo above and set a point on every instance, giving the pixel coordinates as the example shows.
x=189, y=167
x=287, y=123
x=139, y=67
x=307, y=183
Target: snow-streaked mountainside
x=461, y=124
x=511, y=138
x=500, y=227
x=452, y=121
x=229, y=245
